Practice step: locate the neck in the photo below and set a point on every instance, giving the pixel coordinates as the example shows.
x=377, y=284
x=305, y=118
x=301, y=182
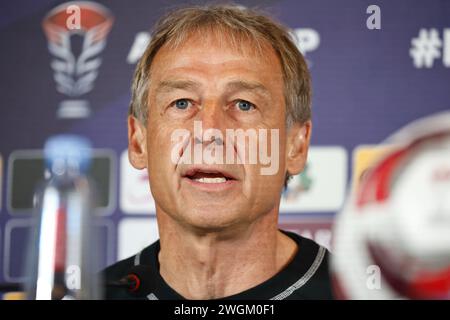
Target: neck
x=212, y=265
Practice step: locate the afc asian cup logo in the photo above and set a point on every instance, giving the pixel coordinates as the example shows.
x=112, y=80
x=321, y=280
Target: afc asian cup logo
x=76, y=33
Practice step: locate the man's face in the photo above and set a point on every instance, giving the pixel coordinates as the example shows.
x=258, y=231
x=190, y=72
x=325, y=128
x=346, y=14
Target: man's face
x=203, y=82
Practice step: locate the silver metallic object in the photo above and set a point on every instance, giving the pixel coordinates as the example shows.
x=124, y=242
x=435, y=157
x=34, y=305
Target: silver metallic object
x=63, y=259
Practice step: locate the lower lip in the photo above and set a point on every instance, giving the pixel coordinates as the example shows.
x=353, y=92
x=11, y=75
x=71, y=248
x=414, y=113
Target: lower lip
x=212, y=186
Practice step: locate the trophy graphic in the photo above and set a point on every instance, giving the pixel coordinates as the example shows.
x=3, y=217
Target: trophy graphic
x=76, y=34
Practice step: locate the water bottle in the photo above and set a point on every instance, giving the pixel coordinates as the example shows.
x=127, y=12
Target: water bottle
x=62, y=258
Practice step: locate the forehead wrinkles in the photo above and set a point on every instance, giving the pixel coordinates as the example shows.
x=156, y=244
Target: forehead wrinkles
x=243, y=43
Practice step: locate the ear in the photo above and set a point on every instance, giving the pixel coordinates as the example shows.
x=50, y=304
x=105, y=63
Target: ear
x=137, y=143
x=298, y=137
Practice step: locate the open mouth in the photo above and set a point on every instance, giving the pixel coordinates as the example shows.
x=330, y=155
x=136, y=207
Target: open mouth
x=208, y=176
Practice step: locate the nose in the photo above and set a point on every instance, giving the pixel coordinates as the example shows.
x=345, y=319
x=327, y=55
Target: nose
x=213, y=122
x=213, y=115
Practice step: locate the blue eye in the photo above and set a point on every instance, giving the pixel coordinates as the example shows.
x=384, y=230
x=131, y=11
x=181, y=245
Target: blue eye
x=182, y=104
x=245, y=105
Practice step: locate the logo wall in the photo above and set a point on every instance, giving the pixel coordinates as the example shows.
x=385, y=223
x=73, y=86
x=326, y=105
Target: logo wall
x=76, y=34
x=135, y=195
x=322, y=184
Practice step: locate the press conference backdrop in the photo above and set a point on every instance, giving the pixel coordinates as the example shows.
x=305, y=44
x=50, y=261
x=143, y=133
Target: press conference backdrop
x=376, y=65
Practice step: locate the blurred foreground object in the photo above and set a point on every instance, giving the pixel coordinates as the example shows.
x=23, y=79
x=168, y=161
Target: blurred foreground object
x=62, y=261
x=392, y=239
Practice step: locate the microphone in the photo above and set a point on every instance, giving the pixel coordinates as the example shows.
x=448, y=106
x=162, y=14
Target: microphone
x=138, y=282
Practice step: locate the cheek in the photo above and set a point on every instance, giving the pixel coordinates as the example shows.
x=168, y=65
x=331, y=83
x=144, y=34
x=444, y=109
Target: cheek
x=158, y=146
x=262, y=192
x=265, y=181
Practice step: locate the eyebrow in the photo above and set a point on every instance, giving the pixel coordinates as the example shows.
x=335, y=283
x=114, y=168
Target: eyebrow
x=242, y=85
x=235, y=85
x=169, y=85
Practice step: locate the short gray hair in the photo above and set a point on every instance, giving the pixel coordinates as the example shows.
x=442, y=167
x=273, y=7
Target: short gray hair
x=238, y=23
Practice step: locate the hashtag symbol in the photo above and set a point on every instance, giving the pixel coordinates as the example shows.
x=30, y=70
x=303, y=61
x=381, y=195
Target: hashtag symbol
x=425, y=48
